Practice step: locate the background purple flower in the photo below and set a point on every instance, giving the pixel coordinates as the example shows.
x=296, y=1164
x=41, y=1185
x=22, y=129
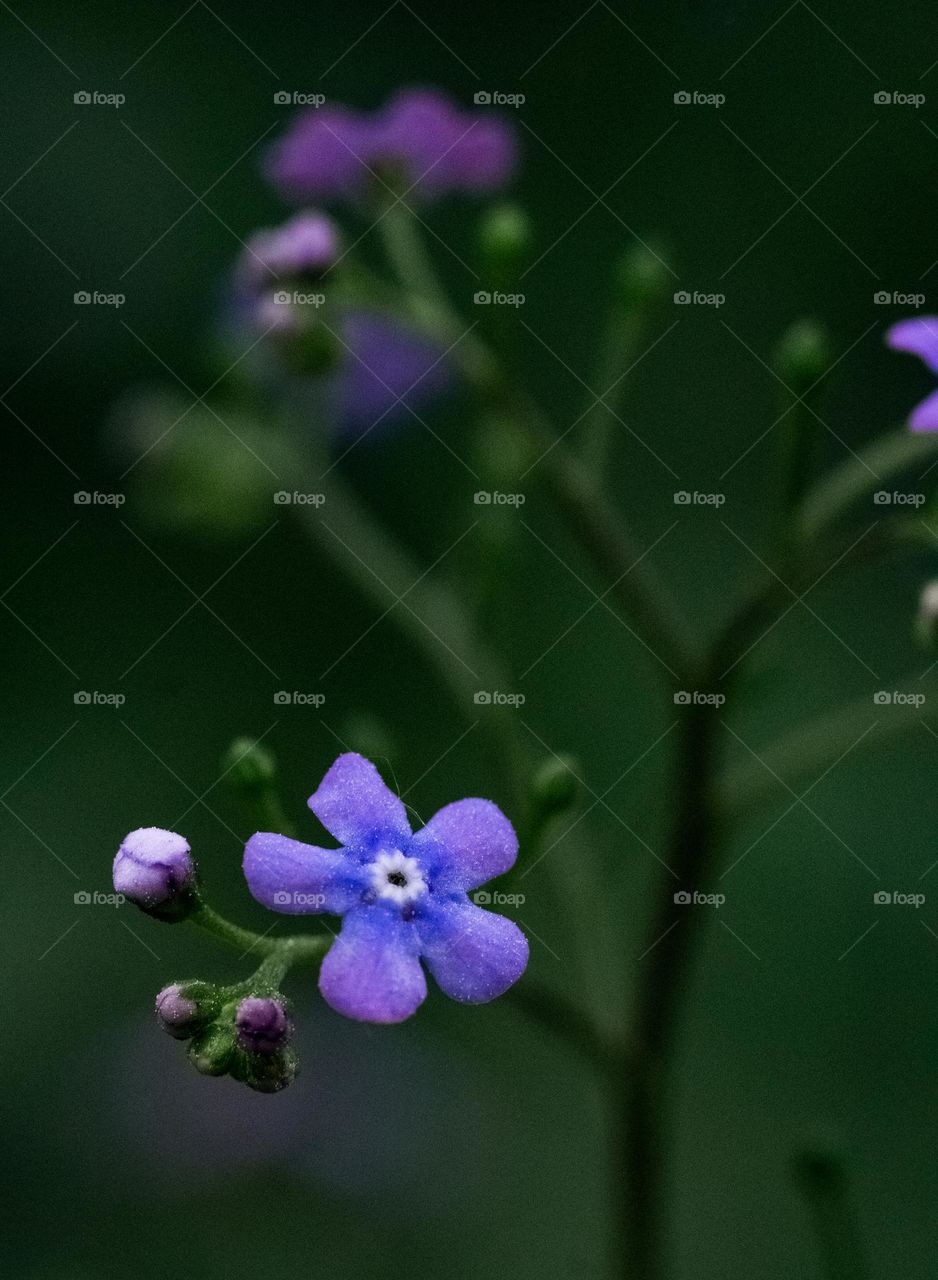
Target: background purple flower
x=420, y=140
x=403, y=896
x=919, y=336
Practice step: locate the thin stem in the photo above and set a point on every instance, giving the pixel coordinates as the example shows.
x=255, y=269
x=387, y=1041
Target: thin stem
x=296, y=949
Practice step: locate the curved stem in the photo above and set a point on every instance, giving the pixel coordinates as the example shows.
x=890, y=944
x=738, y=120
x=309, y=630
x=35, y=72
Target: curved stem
x=296, y=949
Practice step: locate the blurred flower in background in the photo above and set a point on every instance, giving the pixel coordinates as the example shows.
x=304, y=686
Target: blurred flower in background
x=919, y=336
x=420, y=142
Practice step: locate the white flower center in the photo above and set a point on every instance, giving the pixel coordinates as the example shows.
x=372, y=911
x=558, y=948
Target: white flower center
x=397, y=878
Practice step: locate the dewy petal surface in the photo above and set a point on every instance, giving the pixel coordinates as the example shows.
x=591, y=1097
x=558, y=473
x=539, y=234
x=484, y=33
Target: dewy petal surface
x=918, y=336
x=354, y=805
x=474, y=955
x=299, y=879
x=465, y=844
x=372, y=972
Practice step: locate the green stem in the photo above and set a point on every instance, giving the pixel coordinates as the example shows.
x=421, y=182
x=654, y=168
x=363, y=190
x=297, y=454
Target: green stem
x=296, y=949
x=825, y=1186
x=599, y=529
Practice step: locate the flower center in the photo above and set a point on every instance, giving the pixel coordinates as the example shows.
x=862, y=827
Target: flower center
x=396, y=878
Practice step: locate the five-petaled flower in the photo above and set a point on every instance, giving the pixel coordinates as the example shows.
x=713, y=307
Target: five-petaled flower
x=420, y=142
x=403, y=896
x=919, y=336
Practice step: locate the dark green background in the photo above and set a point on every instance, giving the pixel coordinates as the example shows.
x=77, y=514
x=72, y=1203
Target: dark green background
x=465, y=1143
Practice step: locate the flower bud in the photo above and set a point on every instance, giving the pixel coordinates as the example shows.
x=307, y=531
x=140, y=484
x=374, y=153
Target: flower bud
x=803, y=355
x=262, y=1024
x=212, y=1052
x=926, y=623
x=643, y=278
x=504, y=242
x=248, y=766
x=271, y=1072
x=154, y=869
x=554, y=787
x=185, y=1008
x=303, y=249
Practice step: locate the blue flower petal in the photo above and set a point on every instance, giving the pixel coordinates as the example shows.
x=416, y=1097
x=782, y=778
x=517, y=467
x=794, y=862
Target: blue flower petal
x=474, y=955
x=300, y=879
x=924, y=417
x=372, y=972
x=465, y=844
x=918, y=336
x=355, y=806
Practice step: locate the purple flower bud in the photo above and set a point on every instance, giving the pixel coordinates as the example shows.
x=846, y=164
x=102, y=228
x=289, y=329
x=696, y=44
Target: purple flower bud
x=154, y=869
x=263, y=1026
x=305, y=247
x=178, y=1016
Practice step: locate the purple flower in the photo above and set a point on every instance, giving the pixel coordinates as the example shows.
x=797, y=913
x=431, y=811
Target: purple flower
x=403, y=896
x=303, y=248
x=154, y=869
x=920, y=337
x=263, y=1026
x=420, y=142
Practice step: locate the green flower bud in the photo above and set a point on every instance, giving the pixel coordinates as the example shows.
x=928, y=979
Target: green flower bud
x=555, y=786
x=248, y=766
x=505, y=241
x=802, y=355
x=211, y=1053
x=642, y=277
x=926, y=623
x=271, y=1072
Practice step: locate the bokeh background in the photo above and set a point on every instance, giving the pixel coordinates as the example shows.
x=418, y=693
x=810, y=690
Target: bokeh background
x=465, y=1143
